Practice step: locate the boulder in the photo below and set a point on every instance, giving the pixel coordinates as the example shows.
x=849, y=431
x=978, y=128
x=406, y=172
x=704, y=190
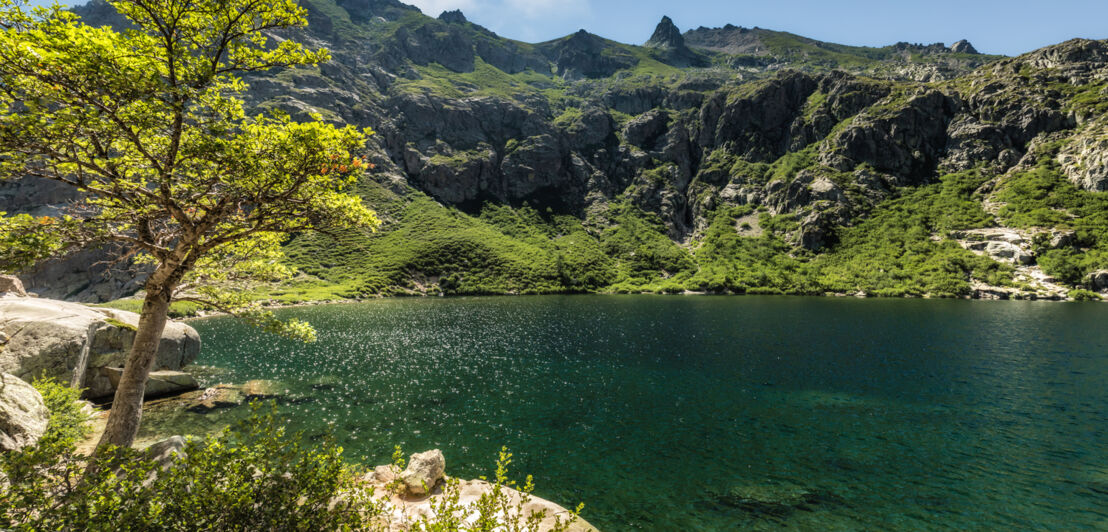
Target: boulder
x=46, y=338
x=167, y=451
x=423, y=472
x=10, y=284
x=1098, y=280
x=23, y=415
x=1006, y=251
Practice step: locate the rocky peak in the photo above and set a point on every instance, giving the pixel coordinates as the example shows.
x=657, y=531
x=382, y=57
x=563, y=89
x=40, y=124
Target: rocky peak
x=365, y=10
x=666, y=35
x=963, y=47
x=453, y=17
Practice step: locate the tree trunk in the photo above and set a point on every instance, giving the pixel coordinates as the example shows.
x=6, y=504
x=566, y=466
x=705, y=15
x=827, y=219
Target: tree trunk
x=126, y=412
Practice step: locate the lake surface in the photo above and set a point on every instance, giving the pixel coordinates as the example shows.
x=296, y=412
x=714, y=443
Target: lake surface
x=892, y=414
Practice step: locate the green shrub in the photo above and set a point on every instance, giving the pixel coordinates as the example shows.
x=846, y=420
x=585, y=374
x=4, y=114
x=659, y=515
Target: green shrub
x=252, y=476
x=1084, y=295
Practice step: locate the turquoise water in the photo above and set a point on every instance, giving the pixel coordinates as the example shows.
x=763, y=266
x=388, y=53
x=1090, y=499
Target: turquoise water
x=899, y=414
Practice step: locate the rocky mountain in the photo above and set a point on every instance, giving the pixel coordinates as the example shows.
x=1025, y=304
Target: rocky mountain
x=726, y=159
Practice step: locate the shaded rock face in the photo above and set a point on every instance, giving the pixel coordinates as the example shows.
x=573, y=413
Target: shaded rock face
x=907, y=141
x=23, y=415
x=729, y=39
x=424, y=471
x=582, y=55
x=46, y=339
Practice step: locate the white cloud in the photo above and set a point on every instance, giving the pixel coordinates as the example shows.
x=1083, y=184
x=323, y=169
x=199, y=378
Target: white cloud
x=433, y=8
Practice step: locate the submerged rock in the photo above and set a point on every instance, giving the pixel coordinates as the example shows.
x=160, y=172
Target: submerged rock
x=160, y=383
x=423, y=472
x=23, y=415
x=263, y=389
x=214, y=398
x=775, y=500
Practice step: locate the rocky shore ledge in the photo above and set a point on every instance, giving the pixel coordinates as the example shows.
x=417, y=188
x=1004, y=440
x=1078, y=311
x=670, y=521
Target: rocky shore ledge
x=86, y=346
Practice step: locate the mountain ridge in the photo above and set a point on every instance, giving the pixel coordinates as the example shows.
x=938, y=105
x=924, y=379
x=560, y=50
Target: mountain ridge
x=584, y=164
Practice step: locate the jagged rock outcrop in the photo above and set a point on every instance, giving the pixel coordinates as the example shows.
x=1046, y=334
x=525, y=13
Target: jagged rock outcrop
x=1084, y=159
x=666, y=36
x=47, y=337
x=453, y=17
x=669, y=44
x=23, y=415
x=963, y=47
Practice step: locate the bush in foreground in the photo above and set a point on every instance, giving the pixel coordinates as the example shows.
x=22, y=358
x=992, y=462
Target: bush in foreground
x=253, y=476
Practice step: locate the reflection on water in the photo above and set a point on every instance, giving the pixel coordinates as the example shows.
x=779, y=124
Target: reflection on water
x=677, y=413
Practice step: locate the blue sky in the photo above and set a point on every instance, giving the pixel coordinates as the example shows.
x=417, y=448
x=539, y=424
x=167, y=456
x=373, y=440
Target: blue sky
x=1006, y=27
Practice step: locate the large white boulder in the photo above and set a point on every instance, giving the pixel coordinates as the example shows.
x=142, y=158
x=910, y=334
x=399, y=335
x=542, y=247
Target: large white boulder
x=23, y=415
x=45, y=337
x=423, y=472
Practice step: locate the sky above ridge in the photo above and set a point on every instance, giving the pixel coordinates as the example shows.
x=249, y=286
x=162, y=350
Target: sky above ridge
x=1008, y=27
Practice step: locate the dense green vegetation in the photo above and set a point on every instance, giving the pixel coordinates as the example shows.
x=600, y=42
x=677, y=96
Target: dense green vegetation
x=252, y=476
x=901, y=249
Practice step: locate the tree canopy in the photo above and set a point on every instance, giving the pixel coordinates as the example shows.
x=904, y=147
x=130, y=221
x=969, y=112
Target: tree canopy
x=148, y=124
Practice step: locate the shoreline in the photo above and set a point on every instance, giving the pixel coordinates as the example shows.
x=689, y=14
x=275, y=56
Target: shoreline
x=979, y=295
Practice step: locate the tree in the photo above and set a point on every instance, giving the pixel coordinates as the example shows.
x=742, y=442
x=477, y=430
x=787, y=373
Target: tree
x=147, y=124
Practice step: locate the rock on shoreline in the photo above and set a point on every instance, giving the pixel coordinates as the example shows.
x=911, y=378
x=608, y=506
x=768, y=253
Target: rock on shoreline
x=45, y=338
x=23, y=415
x=413, y=494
